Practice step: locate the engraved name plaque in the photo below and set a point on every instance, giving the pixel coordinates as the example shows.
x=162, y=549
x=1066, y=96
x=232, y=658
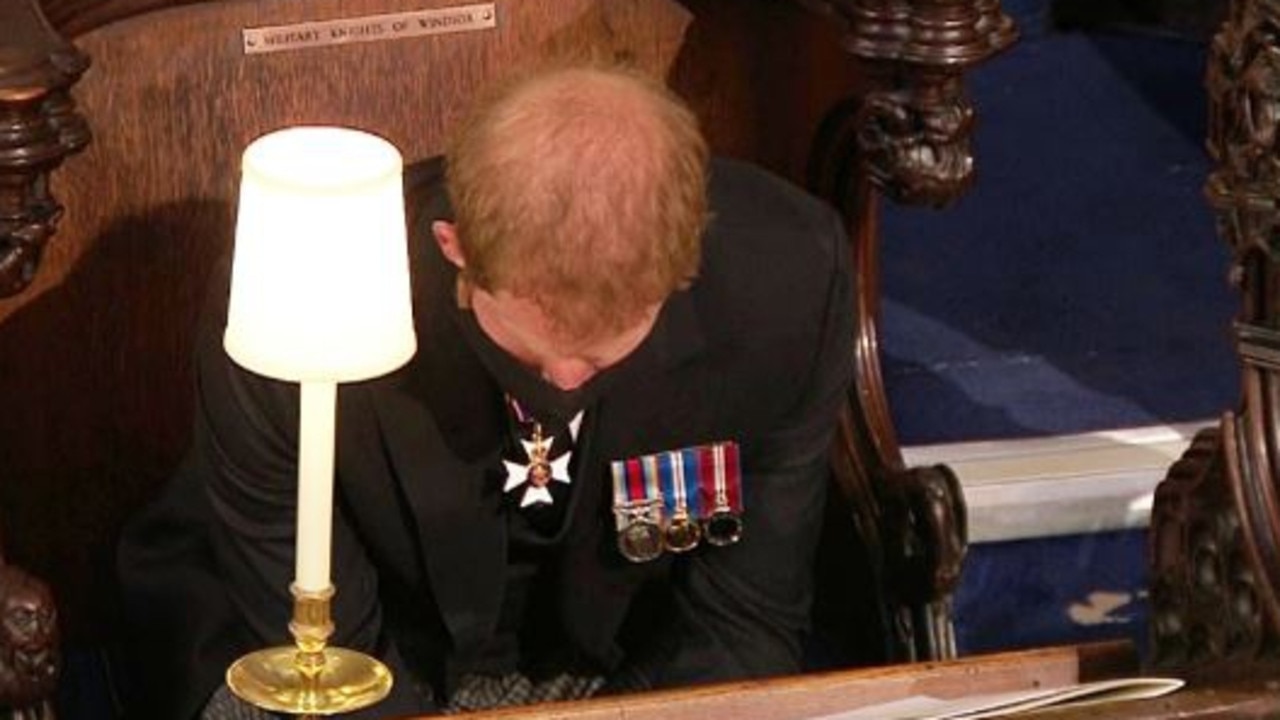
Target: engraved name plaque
x=369, y=28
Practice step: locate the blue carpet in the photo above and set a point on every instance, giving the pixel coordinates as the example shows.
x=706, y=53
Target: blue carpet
x=1052, y=591
x=1081, y=284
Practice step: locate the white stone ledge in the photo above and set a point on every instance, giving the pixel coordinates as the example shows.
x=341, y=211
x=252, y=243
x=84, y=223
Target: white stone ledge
x=1062, y=485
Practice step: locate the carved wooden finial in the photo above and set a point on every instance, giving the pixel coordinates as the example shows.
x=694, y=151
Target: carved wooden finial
x=39, y=127
x=911, y=132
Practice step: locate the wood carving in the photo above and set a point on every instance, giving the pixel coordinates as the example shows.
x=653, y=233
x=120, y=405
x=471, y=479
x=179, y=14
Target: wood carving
x=1215, y=540
x=39, y=127
x=906, y=137
x=29, y=656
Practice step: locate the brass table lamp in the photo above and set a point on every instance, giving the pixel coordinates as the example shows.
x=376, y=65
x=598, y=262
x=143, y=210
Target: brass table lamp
x=319, y=295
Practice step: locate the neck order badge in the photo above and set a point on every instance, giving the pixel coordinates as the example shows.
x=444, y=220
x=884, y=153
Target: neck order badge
x=546, y=457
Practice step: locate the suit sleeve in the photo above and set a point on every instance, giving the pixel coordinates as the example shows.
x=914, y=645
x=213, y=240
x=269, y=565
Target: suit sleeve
x=245, y=446
x=741, y=611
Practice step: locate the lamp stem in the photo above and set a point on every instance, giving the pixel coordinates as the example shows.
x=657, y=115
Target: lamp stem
x=312, y=625
x=315, y=485
x=312, y=678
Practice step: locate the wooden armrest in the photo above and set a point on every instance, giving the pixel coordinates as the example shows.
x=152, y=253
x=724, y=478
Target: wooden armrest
x=808, y=696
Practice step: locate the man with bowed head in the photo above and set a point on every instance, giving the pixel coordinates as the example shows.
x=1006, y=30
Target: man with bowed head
x=604, y=470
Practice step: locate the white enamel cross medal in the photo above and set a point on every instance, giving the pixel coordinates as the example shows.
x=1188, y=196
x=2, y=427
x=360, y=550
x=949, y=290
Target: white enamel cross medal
x=539, y=469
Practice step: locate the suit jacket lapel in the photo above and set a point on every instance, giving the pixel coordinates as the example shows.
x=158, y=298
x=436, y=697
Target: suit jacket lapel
x=457, y=514
x=628, y=422
x=443, y=435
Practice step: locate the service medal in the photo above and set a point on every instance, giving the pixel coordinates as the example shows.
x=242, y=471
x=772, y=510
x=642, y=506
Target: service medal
x=672, y=500
x=637, y=511
x=675, y=470
x=723, y=524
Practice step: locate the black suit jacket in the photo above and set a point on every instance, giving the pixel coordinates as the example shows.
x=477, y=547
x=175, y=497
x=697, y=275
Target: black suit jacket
x=757, y=350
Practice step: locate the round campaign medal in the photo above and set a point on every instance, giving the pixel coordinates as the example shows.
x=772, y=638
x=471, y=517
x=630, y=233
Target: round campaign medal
x=683, y=534
x=640, y=540
x=723, y=528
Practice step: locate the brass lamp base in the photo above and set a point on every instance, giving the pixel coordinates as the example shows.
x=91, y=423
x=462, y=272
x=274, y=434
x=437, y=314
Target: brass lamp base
x=309, y=679
x=271, y=680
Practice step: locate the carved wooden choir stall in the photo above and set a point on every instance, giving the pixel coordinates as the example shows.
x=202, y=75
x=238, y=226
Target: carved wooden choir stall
x=107, y=244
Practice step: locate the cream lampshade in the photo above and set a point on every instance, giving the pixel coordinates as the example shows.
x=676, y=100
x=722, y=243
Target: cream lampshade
x=320, y=281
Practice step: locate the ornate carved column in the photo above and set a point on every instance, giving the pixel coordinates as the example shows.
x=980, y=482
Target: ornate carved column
x=907, y=139
x=1215, y=539
x=38, y=129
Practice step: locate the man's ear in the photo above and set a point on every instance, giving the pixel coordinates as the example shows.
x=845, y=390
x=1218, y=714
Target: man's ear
x=446, y=234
